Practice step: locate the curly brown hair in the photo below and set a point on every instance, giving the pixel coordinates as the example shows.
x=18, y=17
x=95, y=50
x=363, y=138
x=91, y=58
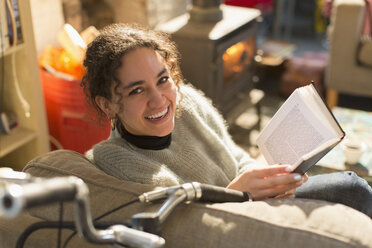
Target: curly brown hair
x=104, y=53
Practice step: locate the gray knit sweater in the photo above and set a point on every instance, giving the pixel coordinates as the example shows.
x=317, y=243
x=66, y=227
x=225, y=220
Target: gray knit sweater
x=201, y=150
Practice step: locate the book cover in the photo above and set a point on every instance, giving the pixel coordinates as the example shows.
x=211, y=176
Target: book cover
x=13, y=20
x=306, y=163
x=4, y=38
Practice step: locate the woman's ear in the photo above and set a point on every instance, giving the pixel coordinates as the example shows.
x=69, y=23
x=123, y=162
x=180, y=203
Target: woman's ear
x=105, y=105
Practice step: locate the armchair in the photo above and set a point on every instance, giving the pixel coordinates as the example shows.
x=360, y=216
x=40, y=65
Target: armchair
x=344, y=73
x=276, y=223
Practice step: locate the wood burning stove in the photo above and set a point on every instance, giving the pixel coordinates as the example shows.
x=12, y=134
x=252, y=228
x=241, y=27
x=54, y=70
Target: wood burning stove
x=217, y=44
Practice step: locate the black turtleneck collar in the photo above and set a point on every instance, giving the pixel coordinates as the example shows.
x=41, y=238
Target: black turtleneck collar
x=146, y=142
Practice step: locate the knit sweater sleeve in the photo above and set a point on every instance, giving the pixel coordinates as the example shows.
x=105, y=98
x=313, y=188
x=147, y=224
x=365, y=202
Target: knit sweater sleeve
x=212, y=117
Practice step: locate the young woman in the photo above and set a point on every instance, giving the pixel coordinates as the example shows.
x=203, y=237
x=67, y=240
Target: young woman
x=166, y=132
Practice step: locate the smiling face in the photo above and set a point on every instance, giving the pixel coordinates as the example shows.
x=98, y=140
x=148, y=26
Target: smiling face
x=148, y=102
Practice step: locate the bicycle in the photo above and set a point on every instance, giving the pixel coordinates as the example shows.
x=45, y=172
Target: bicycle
x=22, y=191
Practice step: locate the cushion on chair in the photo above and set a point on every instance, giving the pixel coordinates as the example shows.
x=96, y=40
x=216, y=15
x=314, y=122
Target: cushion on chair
x=276, y=223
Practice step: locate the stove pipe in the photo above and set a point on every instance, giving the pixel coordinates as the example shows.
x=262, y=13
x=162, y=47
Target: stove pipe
x=205, y=11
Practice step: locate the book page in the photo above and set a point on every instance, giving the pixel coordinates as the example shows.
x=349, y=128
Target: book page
x=293, y=132
x=319, y=108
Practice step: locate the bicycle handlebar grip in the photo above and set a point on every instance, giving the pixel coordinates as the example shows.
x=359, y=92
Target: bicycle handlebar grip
x=211, y=193
x=15, y=198
x=136, y=238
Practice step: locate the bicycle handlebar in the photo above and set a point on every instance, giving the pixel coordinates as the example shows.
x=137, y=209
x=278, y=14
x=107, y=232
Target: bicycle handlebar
x=14, y=198
x=8, y=175
x=211, y=193
x=151, y=222
x=198, y=191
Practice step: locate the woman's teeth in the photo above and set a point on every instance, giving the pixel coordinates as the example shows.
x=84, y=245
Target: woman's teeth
x=158, y=115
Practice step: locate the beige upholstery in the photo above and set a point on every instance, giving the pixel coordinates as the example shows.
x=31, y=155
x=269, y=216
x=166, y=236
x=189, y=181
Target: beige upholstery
x=278, y=223
x=344, y=74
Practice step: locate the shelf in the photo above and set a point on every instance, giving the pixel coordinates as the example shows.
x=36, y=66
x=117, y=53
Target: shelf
x=30, y=138
x=18, y=137
x=12, y=49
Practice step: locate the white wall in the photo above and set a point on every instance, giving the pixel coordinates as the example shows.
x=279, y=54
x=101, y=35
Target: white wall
x=48, y=20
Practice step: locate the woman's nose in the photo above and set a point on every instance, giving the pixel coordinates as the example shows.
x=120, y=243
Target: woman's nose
x=156, y=98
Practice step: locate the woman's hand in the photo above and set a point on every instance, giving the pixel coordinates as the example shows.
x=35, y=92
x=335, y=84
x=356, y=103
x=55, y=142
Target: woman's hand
x=268, y=182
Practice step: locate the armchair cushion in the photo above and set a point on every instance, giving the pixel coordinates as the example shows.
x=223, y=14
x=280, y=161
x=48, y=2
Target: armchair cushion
x=276, y=223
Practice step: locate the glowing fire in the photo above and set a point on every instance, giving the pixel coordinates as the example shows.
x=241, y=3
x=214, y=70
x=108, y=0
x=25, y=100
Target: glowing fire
x=237, y=57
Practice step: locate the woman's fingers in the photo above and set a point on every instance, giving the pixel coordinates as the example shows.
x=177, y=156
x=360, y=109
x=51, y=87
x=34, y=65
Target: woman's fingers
x=268, y=182
x=270, y=170
x=292, y=191
x=274, y=192
x=279, y=180
x=306, y=177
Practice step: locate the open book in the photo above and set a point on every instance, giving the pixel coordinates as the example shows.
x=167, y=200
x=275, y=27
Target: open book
x=301, y=132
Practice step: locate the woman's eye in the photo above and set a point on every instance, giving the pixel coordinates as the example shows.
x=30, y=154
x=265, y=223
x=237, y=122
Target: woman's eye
x=163, y=79
x=135, y=91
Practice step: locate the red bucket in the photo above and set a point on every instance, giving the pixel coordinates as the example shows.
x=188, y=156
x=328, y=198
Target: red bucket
x=67, y=114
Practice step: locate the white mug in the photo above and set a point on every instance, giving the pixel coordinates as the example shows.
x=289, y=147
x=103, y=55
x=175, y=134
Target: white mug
x=353, y=150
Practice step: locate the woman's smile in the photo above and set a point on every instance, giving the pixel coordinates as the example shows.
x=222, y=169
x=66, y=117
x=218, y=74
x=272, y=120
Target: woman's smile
x=158, y=116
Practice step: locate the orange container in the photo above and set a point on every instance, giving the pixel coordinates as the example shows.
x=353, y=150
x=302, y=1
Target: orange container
x=67, y=114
